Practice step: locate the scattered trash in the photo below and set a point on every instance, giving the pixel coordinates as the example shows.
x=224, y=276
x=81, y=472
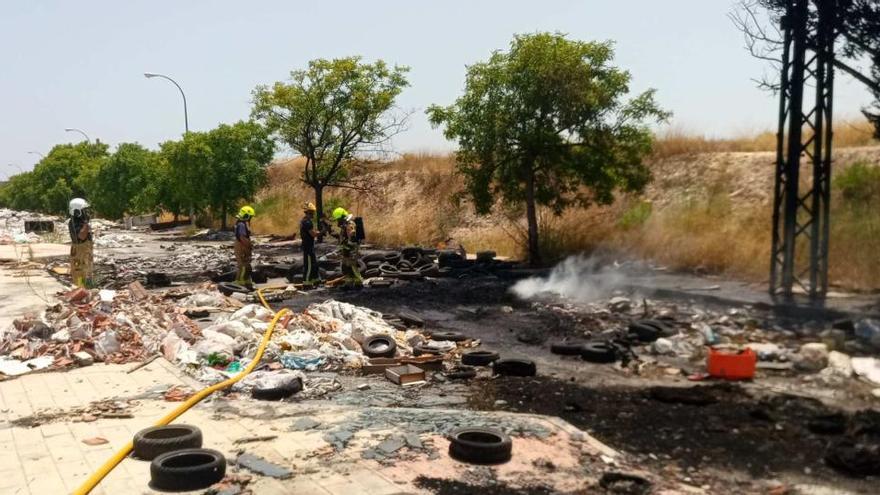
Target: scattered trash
x=263, y=467
x=405, y=375
x=811, y=357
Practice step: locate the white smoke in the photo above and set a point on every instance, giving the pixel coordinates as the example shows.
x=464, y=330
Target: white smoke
x=577, y=278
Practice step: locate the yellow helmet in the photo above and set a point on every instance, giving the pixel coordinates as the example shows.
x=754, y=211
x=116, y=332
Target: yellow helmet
x=309, y=206
x=246, y=212
x=339, y=213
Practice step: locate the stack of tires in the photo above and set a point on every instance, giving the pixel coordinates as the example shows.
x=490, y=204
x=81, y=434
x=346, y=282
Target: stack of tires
x=177, y=460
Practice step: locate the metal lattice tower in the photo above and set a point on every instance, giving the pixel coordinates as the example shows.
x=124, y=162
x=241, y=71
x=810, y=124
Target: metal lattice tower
x=801, y=202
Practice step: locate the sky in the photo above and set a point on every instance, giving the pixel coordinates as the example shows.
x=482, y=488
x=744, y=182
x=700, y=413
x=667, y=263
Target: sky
x=80, y=64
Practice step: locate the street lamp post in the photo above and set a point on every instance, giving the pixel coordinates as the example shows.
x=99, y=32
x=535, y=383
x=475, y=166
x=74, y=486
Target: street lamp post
x=150, y=75
x=37, y=153
x=73, y=129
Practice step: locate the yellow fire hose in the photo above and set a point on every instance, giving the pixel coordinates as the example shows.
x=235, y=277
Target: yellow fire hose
x=92, y=481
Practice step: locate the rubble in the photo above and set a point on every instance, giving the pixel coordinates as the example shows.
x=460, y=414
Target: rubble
x=12, y=226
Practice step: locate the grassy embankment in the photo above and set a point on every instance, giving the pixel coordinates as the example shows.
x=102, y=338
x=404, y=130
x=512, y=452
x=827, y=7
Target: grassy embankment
x=709, y=207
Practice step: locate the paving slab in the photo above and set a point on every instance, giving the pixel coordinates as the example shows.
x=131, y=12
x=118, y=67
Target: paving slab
x=47, y=454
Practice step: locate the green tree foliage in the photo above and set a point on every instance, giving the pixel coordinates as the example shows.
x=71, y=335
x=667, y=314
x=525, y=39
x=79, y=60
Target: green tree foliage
x=547, y=123
x=186, y=172
x=65, y=173
x=239, y=155
x=334, y=113
x=214, y=169
x=126, y=182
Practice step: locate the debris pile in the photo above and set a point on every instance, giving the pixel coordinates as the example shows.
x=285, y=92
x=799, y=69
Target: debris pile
x=103, y=325
x=182, y=262
x=677, y=338
x=13, y=226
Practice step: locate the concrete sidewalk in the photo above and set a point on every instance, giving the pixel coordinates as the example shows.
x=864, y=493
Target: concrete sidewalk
x=45, y=419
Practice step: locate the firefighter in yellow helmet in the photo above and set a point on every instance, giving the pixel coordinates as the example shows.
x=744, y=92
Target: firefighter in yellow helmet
x=244, y=248
x=348, y=248
x=309, y=235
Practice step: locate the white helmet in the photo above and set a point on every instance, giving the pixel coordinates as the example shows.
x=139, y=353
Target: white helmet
x=77, y=205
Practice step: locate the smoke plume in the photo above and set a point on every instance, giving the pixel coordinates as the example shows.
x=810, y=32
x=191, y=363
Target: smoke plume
x=578, y=278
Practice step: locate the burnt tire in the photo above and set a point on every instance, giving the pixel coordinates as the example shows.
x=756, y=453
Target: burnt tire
x=480, y=446
x=152, y=442
x=228, y=288
x=186, y=470
x=411, y=320
x=566, y=349
x=460, y=373
x=514, y=367
x=854, y=458
x=449, y=336
x=379, y=346
x=277, y=393
x=650, y=330
x=421, y=350
x=479, y=358
x=598, y=352
x=614, y=482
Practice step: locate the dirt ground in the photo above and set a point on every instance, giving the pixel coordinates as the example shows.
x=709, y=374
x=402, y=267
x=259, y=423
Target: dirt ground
x=730, y=437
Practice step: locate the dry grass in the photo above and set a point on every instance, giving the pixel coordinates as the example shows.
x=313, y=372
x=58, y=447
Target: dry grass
x=679, y=141
x=710, y=211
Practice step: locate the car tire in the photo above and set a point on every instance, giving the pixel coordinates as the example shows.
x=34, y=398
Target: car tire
x=228, y=288
x=480, y=446
x=644, y=333
x=479, y=358
x=421, y=349
x=187, y=470
x=277, y=393
x=567, y=349
x=514, y=367
x=449, y=336
x=461, y=373
x=598, y=352
x=152, y=442
x=379, y=346
x=613, y=482
x=411, y=320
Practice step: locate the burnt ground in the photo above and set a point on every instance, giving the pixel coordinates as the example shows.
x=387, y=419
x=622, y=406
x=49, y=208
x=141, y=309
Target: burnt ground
x=722, y=435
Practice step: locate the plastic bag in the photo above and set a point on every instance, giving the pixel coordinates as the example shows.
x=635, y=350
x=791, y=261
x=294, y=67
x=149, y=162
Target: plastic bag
x=106, y=344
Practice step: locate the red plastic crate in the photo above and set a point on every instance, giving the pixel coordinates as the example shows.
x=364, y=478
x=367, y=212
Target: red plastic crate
x=732, y=365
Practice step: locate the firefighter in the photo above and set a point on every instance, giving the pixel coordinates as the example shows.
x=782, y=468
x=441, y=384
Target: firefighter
x=309, y=235
x=244, y=248
x=348, y=248
x=81, y=248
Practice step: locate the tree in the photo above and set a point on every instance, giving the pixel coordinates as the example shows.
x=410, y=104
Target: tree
x=127, y=182
x=186, y=172
x=239, y=155
x=336, y=114
x=61, y=176
x=858, y=28
x=545, y=123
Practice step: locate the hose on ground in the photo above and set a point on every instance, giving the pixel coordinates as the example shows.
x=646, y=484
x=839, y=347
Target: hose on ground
x=92, y=481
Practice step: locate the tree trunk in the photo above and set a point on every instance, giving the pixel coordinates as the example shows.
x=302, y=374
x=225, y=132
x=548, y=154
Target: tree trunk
x=532, y=218
x=192, y=216
x=223, y=216
x=319, y=202
x=176, y=216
